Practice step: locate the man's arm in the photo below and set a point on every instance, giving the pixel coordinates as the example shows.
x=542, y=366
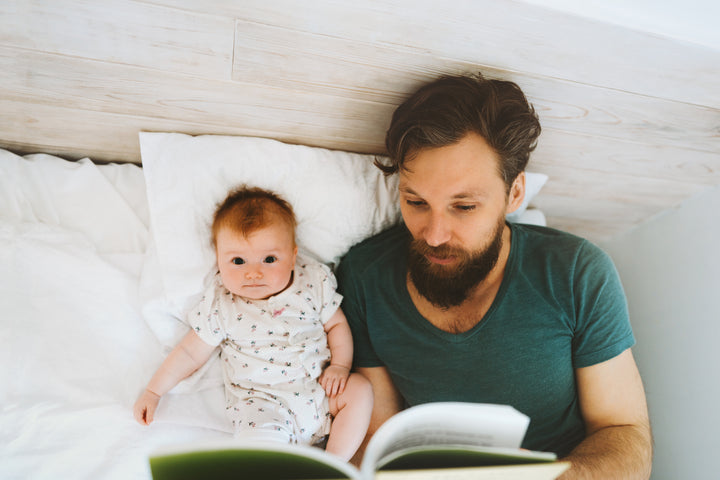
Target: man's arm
x=387, y=402
x=618, y=442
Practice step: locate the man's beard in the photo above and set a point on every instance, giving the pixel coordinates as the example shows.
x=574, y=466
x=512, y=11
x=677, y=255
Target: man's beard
x=449, y=286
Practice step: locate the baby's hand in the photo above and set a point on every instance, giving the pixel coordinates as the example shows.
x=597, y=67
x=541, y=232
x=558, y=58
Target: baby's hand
x=144, y=408
x=333, y=379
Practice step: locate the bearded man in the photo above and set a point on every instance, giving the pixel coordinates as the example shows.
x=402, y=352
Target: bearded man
x=456, y=304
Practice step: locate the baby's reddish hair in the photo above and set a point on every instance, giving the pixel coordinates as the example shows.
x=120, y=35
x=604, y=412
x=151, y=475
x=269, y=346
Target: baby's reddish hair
x=247, y=209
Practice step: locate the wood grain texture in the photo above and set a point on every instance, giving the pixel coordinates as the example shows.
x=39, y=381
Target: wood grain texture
x=509, y=35
x=122, y=31
x=269, y=55
x=631, y=121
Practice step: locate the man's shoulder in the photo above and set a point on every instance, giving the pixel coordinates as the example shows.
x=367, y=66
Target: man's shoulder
x=537, y=242
x=544, y=233
x=549, y=239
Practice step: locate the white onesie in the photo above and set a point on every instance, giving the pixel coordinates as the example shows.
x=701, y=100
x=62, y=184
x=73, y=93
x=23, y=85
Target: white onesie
x=273, y=351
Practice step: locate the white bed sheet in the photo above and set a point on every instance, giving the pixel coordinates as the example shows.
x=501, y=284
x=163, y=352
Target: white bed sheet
x=74, y=348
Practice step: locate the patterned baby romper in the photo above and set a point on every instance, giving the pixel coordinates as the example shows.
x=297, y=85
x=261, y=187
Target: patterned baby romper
x=272, y=353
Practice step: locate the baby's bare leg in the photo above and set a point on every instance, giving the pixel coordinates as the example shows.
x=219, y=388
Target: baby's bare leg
x=352, y=409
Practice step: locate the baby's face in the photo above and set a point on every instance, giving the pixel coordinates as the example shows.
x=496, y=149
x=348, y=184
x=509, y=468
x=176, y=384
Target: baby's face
x=257, y=266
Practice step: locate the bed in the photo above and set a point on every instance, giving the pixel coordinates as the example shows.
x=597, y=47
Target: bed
x=98, y=264
x=123, y=122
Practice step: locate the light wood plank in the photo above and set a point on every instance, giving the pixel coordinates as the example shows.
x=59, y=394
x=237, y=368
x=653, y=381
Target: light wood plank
x=292, y=59
x=503, y=34
x=52, y=127
x=294, y=116
x=602, y=112
x=122, y=31
x=632, y=191
x=600, y=205
x=598, y=220
x=588, y=154
x=216, y=106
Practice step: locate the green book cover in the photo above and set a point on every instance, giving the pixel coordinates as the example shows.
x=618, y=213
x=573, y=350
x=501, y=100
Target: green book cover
x=238, y=460
x=443, y=437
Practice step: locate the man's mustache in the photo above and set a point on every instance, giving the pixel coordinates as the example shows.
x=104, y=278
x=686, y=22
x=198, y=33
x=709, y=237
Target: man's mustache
x=441, y=251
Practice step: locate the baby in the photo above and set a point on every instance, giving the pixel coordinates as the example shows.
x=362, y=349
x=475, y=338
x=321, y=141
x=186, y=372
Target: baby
x=286, y=346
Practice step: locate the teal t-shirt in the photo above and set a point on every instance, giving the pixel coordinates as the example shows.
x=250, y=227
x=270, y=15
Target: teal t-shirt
x=560, y=306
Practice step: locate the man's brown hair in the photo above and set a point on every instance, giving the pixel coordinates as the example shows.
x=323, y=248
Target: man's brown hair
x=442, y=112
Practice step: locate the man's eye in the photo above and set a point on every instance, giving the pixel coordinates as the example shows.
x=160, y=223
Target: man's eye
x=238, y=261
x=270, y=259
x=465, y=208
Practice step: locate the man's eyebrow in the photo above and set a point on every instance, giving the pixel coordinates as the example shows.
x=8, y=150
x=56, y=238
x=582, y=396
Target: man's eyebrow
x=458, y=196
x=469, y=195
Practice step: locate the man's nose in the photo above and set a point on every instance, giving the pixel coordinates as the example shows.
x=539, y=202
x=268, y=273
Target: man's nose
x=437, y=231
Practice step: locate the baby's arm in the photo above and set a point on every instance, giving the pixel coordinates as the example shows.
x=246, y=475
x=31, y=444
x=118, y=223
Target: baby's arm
x=340, y=342
x=189, y=355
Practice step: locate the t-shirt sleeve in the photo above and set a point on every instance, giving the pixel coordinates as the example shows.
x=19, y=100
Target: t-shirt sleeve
x=603, y=328
x=324, y=286
x=353, y=306
x=205, y=317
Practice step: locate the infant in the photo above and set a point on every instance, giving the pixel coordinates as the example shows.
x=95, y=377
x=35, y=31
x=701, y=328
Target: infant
x=286, y=347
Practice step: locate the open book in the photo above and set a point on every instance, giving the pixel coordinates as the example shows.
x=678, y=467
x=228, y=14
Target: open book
x=445, y=440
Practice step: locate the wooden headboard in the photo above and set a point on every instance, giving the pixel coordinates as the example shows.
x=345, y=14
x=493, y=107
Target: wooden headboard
x=631, y=120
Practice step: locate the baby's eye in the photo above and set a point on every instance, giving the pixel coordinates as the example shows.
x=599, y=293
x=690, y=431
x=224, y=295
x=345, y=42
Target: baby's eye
x=270, y=259
x=238, y=261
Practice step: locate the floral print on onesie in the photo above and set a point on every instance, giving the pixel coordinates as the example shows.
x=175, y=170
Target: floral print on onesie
x=272, y=353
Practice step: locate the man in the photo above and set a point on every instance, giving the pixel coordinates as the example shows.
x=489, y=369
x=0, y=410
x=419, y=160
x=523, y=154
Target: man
x=456, y=304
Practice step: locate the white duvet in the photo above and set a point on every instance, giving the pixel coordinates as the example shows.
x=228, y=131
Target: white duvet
x=74, y=349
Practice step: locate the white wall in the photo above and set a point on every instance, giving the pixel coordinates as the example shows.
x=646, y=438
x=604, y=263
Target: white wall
x=687, y=20
x=670, y=268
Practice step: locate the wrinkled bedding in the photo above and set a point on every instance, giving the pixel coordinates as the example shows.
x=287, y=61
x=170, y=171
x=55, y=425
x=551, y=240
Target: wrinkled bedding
x=74, y=348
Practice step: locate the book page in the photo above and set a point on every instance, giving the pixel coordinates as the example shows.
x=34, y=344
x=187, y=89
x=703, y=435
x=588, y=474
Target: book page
x=456, y=456
x=447, y=423
x=542, y=471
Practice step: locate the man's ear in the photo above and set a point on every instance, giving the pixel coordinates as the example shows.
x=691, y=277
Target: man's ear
x=517, y=193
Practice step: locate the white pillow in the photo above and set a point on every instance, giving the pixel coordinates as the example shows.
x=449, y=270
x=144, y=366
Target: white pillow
x=339, y=199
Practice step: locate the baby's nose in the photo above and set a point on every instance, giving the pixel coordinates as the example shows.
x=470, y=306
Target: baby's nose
x=254, y=274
